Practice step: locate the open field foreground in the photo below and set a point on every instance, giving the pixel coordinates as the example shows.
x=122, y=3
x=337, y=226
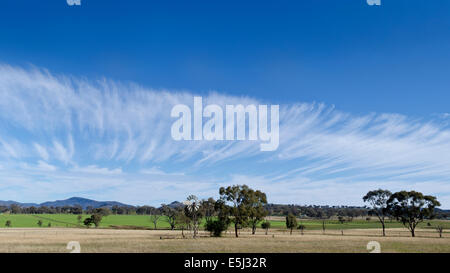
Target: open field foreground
x=111, y=240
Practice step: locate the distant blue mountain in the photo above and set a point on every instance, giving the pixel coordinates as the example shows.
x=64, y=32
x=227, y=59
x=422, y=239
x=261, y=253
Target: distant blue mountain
x=176, y=204
x=74, y=201
x=9, y=203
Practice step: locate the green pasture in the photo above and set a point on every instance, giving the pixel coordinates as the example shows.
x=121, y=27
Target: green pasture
x=70, y=220
x=143, y=221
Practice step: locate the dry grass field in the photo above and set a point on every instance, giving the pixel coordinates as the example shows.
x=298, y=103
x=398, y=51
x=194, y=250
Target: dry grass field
x=110, y=240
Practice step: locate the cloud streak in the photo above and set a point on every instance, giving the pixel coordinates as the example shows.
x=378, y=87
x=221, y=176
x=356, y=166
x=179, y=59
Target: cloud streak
x=104, y=128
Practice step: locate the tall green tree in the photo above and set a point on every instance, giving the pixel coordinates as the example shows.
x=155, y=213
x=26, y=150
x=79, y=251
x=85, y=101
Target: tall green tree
x=170, y=214
x=291, y=222
x=238, y=198
x=208, y=208
x=378, y=202
x=182, y=221
x=411, y=208
x=256, y=211
x=155, y=214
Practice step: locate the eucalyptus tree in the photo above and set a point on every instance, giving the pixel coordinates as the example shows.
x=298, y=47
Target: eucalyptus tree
x=256, y=213
x=243, y=205
x=411, y=208
x=170, y=214
x=378, y=202
x=291, y=222
x=155, y=214
x=208, y=208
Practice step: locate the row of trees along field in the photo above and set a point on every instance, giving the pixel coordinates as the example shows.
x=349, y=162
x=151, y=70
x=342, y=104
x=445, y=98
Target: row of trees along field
x=310, y=211
x=241, y=206
x=238, y=205
x=408, y=207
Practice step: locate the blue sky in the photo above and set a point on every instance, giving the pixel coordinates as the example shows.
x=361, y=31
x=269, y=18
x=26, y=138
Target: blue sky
x=86, y=93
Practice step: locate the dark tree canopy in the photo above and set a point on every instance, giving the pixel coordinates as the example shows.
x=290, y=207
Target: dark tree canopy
x=411, y=208
x=216, y=226
x=256, y=212
x=291, y=222
x=208, y=208
x=378, y=202
x=245, y=206
x=171, y=214
x=95, y=219
x=238, y=209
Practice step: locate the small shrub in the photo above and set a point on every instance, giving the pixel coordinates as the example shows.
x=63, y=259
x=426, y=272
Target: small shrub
x=216, y=227
x=8, y=223
x=88, y=222
x=95, y=219
x=302, y=228
x=266, y=225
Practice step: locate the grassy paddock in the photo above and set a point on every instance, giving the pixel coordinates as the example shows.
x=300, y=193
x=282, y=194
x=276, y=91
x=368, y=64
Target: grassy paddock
x=25, y=236
x=70, y=220
x=111, y=240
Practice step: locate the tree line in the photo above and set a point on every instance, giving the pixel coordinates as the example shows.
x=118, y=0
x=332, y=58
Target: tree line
x=301, y=211
x=243, y=207
x=408, y=207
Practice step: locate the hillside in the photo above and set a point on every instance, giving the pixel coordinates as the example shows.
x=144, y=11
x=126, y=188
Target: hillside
x=73, y=201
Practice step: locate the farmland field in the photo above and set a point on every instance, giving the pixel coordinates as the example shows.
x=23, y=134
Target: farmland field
x=166, y=241
x=143, y=221
x=70, y=220
x=133, y=233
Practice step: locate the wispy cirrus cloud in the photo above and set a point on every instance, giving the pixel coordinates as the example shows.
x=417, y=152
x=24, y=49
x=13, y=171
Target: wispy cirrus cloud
x=93, y=169
x=444, y=115
x=42, y=151
x=105, y=128
x=63, y=153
